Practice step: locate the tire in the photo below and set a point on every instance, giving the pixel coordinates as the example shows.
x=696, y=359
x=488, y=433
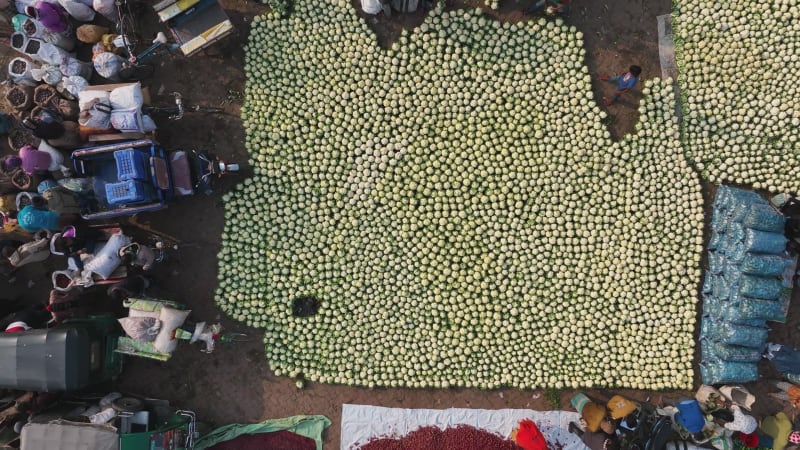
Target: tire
x=137, y=72
x=127, y=404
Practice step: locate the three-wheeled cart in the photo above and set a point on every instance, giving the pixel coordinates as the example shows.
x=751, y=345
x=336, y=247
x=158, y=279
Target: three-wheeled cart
x=195, y=24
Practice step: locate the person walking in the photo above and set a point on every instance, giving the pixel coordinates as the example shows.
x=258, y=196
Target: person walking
x=560, y=7
x=624, y=83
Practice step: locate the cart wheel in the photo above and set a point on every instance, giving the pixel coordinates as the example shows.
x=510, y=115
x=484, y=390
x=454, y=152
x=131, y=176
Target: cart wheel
x=127, y=404
x=136, y=72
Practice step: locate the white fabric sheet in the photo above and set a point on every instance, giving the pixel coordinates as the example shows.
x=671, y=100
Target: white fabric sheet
x=362, y=423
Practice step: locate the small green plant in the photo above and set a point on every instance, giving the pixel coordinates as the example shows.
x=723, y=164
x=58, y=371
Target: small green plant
x=553, y=397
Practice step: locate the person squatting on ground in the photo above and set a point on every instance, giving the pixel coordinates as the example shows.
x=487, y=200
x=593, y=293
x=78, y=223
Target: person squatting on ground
x=74, y=241
x=624, y=83
x=600, y=430
x=35, y=316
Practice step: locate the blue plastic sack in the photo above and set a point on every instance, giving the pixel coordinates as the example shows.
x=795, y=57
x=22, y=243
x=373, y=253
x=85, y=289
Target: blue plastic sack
x=736, y=251
x=733, y=334
x=714, y=240
x=712, y=305
x=720, y=287
x=707, y=286
x=753, y=308
x=707, y=349
x=730, y=197
x=719, y=221
x=735, y=232
x=764, y=265
x=706, y=326
x=760, y=287
x=715, y=262
x=735, y=352
x=717, y=371
x=756, y=241
x=737, y=213
x=764, y=218
x=739, y=320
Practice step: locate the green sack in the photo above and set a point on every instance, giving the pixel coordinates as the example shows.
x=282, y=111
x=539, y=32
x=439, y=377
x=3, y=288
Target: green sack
x=17, y=22
x=308, y=426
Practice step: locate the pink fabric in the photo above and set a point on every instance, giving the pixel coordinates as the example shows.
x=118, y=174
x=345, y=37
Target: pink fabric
x=33, y=160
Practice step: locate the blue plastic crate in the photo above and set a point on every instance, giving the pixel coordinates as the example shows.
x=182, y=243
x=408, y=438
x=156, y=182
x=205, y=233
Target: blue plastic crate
x=129, y=191
x=130, y=164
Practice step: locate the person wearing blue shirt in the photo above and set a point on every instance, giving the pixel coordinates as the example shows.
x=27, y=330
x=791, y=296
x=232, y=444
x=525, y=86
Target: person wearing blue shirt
x=624, y=83
x=560, y=7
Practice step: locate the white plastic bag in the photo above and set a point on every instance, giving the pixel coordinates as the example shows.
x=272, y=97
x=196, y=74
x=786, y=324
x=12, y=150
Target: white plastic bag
x=148, y=124
x=48, y=73
x=107, y=259
x=107, y=9
x=72, y=67
x=21, y=5
x=108, y=65
x=74, y=85
x=78, y=11
x=85, y=97
x=24, y=71
x=127, y=97
x=47, y=53
x=97, y=114
x=127, y=120
x=371, y=6
x=56, y=157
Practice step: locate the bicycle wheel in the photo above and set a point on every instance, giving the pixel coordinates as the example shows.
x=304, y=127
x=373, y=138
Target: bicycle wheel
x=136, y=72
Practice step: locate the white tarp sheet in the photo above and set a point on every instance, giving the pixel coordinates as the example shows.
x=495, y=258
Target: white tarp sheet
x=361, y=423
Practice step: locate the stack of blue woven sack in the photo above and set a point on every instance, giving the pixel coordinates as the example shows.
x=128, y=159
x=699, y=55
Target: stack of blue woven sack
x=748, y=283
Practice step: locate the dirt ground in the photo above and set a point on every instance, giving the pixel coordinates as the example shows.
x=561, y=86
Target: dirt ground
x=234, y=384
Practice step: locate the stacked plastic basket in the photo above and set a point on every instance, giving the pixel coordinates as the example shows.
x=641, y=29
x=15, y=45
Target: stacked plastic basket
x=748, y=283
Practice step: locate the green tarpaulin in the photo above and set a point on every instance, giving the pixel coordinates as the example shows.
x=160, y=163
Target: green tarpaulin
x=308, y=426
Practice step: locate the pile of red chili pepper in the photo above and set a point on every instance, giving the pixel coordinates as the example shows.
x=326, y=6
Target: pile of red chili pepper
x=462, y=437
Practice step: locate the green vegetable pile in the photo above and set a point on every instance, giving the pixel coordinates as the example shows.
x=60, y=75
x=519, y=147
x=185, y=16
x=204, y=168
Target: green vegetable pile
x=459, y=210
x=740, y=77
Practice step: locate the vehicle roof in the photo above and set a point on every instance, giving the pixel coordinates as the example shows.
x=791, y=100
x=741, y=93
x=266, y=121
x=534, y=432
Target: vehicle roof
x=55, y=359
x=65, y=435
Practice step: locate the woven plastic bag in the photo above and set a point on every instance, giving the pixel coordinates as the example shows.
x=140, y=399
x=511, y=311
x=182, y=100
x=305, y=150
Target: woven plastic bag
x=735, y=352
x=736, y=251
x=717, y=371
x=737, y=213
x=739, y=320
x=735, y=232
x=733, y=334
x=754, y=308
x=715, y=262
x=756, y=241
x=714, y=241
x=720, y=287
x=764, y=265
x=760, y=287
x=734, y=196
x=764, y=218
x=719, y=221
x=707, y=286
